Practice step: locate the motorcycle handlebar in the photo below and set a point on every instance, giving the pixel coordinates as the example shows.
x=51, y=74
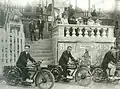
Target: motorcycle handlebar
x=37, y=63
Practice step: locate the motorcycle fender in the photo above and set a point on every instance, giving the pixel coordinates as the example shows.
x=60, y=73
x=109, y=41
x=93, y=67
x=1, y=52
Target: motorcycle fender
x=85, y=68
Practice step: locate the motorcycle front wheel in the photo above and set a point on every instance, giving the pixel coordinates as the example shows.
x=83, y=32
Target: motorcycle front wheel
x=83, y=77
x=44, y=79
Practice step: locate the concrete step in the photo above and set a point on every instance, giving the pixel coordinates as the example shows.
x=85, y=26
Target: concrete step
x=41, y=43
x=37, y=49
x=38, y=41
x=41, y=51
x=44, y=63
x=42, y=54
x=43, y=58
x=44, y=40
x=47, y=63
x=39, y=56
x=41, y=46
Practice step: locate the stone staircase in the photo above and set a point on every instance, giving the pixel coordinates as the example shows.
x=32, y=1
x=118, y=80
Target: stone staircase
x=42, y=50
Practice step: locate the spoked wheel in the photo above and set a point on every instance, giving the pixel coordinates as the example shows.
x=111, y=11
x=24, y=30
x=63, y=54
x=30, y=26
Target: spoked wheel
x=13, y=77
x=115, y=82
x=56, y=74
x=83, y=77
x=97, y=74
x=45, y=80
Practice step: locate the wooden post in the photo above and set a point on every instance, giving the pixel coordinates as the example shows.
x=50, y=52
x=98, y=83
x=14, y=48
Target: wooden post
x=52, y=16
x=53, y=11
x=12, y=60
x=0, y=49
x=16, y=55
x=89, y=3
x=4, y=47
x=19, y=42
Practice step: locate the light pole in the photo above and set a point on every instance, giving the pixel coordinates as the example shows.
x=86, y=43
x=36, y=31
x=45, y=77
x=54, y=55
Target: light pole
x=75, y=4
x=89, y=3
x=53, y=11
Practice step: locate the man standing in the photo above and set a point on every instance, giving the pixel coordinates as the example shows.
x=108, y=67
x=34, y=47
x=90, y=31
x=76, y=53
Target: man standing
x=109, y=61
x=32, y=30
x=64, y=59
x=41, y=30
x=39, y=26
x=22, y=63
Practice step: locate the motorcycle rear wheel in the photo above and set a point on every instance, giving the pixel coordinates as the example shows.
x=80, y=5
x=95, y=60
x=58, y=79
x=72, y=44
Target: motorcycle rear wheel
x=57, y=74
x=13, y=77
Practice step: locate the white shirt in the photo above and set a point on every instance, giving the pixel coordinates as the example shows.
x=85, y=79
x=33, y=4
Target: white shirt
x=91, y=22
x=64, y=21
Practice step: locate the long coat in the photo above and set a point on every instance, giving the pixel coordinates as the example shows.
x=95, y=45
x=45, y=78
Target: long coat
x=32, y=27
x=38, y=24
x=65, y=58
x=107, y=59
x=23, y=58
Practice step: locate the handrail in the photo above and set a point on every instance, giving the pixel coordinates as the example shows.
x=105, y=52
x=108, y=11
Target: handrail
x=75, y=25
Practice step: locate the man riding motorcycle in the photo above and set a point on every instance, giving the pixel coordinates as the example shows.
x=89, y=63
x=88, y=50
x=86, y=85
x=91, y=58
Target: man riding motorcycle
x=22, y=63
x=109, y=62
x=64, y=59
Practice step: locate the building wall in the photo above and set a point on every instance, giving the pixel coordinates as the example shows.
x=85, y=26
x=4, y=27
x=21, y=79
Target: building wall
x=96, y=50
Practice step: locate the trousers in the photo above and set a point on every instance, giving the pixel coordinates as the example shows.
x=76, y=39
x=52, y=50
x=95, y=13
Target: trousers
x=113, y=68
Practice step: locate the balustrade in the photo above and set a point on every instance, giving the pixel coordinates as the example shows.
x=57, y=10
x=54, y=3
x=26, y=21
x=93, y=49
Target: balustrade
x=86, y=31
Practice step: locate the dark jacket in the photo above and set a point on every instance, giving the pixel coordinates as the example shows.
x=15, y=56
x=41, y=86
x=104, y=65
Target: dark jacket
x=65, y=58
x=38, y=24
x=42, y=24
x=32, y=27
x=23, y=58
x=107, y=59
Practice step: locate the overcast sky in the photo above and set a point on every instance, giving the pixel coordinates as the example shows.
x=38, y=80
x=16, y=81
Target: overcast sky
x=104, y=4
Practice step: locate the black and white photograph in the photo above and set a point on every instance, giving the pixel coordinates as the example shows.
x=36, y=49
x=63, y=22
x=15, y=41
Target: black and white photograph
x=59, y=44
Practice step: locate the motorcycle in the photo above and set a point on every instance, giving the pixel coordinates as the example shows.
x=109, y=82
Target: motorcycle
x=42, y=78
x=80, y=74
x=98, y=75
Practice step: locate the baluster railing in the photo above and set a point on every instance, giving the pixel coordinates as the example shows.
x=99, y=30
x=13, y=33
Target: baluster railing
x=80, y=32
x=86, y=32
x=98, y=32
x=92, y=32
x=104, y=32
x=67, y=32
x=83, y=31
x=73, y=33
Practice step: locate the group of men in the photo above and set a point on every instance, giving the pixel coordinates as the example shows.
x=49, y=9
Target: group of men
x=32, y=29
x=108, y=62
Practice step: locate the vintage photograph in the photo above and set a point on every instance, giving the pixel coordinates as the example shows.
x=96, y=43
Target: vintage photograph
x=59, y=44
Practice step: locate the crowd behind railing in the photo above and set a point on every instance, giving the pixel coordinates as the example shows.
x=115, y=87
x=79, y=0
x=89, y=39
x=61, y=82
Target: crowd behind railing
x=72, y=16
x=78, y=21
